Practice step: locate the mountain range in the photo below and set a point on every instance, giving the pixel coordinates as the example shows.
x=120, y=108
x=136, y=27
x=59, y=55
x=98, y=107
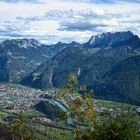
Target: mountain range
x=19, y=57
x=109, y=63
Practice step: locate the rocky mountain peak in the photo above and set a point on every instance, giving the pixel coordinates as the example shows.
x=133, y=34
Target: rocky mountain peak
x=22, y=43
x=108, y=39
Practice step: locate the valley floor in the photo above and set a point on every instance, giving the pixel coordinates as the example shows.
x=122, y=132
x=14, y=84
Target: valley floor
x=15, y=99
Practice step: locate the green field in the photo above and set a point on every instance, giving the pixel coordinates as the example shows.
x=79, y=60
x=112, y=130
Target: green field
x=113, y=104
x=43, y=131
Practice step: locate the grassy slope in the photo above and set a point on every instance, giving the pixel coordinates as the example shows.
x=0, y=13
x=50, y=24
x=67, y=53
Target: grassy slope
x=113, y=104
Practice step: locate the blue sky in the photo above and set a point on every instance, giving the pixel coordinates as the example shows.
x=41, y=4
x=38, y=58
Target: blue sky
x=50, y=21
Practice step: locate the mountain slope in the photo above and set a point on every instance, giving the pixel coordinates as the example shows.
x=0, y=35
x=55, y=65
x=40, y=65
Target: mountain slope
x=20, y=57
x=3, y=61
x=122, y=83
x=54, y=73
x=90, y=63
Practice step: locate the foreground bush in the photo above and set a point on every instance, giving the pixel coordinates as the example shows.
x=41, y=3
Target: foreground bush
x=87, y=124
x=119, y=127
x=20, y=129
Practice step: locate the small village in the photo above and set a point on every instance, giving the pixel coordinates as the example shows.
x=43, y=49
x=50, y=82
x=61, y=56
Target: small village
x=14, y=96
x=18, y=97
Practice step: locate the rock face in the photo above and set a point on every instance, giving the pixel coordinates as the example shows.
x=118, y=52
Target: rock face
x=20, y=57
x=110, y=39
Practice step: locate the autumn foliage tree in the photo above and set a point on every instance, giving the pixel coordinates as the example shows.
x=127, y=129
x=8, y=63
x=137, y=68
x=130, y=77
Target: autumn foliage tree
x=80, y=108
x=87, y=124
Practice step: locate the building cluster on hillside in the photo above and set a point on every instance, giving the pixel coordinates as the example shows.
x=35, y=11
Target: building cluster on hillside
x=19, y=97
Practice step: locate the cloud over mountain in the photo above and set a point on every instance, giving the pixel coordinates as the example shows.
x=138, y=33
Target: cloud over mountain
x=66, y=20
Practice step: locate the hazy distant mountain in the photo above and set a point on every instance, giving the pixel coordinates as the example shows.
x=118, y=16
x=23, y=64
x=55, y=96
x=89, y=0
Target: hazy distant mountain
x=89, y=62
x=19, y=57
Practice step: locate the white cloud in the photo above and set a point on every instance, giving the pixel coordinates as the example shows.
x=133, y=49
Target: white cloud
x=60, y=20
